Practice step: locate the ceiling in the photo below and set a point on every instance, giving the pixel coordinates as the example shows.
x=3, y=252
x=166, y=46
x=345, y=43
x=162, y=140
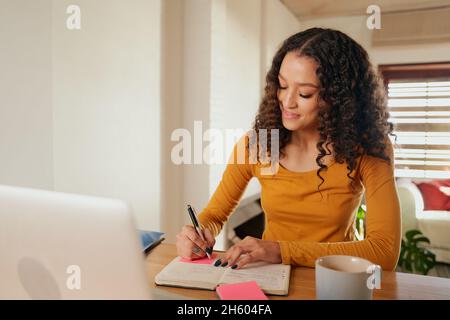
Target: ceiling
x=311, y=9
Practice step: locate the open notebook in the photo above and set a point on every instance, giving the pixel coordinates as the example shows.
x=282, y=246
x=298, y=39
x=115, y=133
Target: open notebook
x=272, y=278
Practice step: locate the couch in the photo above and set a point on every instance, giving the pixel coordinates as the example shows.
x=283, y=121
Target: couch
x=434, y=224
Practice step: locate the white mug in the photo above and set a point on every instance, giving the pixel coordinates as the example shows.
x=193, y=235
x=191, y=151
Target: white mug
x=346, y=278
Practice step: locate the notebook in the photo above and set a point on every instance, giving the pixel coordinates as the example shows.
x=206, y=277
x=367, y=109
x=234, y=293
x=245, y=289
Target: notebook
x=202, y=274
x=249, y=290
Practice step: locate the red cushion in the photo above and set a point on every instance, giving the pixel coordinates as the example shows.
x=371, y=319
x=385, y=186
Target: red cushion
x=433, y=198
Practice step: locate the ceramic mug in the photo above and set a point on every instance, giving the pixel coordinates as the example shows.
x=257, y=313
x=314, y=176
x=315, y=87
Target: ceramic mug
x=346, y=278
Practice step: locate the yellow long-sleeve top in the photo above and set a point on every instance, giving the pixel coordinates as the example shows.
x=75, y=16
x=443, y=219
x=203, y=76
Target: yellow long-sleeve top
x=308, y=225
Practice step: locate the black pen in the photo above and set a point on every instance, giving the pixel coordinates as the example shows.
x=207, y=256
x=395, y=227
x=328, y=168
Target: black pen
x=197, y=228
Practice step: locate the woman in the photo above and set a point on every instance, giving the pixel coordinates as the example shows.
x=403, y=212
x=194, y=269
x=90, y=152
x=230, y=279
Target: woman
x=330, y=108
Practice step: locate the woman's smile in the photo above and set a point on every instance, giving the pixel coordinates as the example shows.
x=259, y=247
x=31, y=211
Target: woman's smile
x=289, y=115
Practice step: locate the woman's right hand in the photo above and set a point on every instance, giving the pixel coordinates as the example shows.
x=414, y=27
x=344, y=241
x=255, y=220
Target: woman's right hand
x=191, y=246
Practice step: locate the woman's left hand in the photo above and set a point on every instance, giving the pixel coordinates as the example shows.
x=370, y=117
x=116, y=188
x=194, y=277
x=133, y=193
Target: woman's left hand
x=251, y=250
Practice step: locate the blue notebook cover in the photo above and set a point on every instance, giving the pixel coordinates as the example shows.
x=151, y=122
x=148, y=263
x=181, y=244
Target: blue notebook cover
x=150, y=239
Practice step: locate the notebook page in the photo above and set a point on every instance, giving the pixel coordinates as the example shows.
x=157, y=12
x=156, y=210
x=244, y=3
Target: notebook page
x=183, y=272
x=270, y=277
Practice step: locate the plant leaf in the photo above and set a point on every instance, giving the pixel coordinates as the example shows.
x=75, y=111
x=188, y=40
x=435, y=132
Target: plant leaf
x=421, y=239
x=411, y=234
x=416, y=258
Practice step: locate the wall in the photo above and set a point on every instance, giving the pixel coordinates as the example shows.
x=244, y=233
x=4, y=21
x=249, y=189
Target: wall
x=107, y=97
x=245, y=36
x=25, y=94
x=355, y=27
x=219, y=50
x=80, y=110
x=278, y=23
x=235, y=73
x=173, y=212
x=106, y=103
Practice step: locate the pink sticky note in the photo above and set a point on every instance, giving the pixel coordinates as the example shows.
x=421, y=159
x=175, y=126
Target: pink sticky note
x=241, y=291
x=204, y=260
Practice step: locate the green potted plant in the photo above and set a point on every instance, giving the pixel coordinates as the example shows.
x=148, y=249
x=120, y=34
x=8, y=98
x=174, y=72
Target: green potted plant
x=413, y=256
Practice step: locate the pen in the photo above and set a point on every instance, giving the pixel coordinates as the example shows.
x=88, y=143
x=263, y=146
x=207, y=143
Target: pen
x=194, y=219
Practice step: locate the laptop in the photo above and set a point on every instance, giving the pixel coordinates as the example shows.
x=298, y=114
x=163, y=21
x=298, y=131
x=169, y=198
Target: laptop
x=63, y=246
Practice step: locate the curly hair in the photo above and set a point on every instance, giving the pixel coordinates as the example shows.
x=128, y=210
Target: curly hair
x=352, y=114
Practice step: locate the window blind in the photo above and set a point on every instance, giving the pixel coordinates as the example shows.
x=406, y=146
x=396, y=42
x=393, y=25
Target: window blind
x=420, y=112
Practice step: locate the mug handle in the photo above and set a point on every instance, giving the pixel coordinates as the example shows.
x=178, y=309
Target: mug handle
x=374, y=280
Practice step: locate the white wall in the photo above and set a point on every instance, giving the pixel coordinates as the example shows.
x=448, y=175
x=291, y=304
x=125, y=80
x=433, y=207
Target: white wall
x=173, y=212
x=80, y=110
x=235, y=72
x=91, y=111
x=278, y=23
x=106, y=103
x=246, y=35
x=25, y=94
x=235, y=78
x=196, y=83
x=224, y=54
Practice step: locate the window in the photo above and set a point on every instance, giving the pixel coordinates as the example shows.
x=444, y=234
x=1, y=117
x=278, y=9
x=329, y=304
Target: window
x=419, y=107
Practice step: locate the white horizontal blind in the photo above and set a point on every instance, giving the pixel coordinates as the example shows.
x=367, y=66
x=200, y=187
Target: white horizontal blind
x=420, y=112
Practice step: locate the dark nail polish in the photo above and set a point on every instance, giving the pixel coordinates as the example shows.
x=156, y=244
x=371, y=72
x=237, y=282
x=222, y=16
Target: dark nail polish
x=217, y=263
x=234, y=267
x=224, y=264
x=209, y=250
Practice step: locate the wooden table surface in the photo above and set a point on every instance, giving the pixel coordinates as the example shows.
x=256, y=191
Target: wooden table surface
x=394, y=285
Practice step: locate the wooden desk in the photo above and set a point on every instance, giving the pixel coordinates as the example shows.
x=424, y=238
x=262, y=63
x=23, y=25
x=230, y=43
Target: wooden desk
x=394, y=285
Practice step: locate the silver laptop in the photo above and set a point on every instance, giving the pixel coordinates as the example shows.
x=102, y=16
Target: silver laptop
x=63, y=246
